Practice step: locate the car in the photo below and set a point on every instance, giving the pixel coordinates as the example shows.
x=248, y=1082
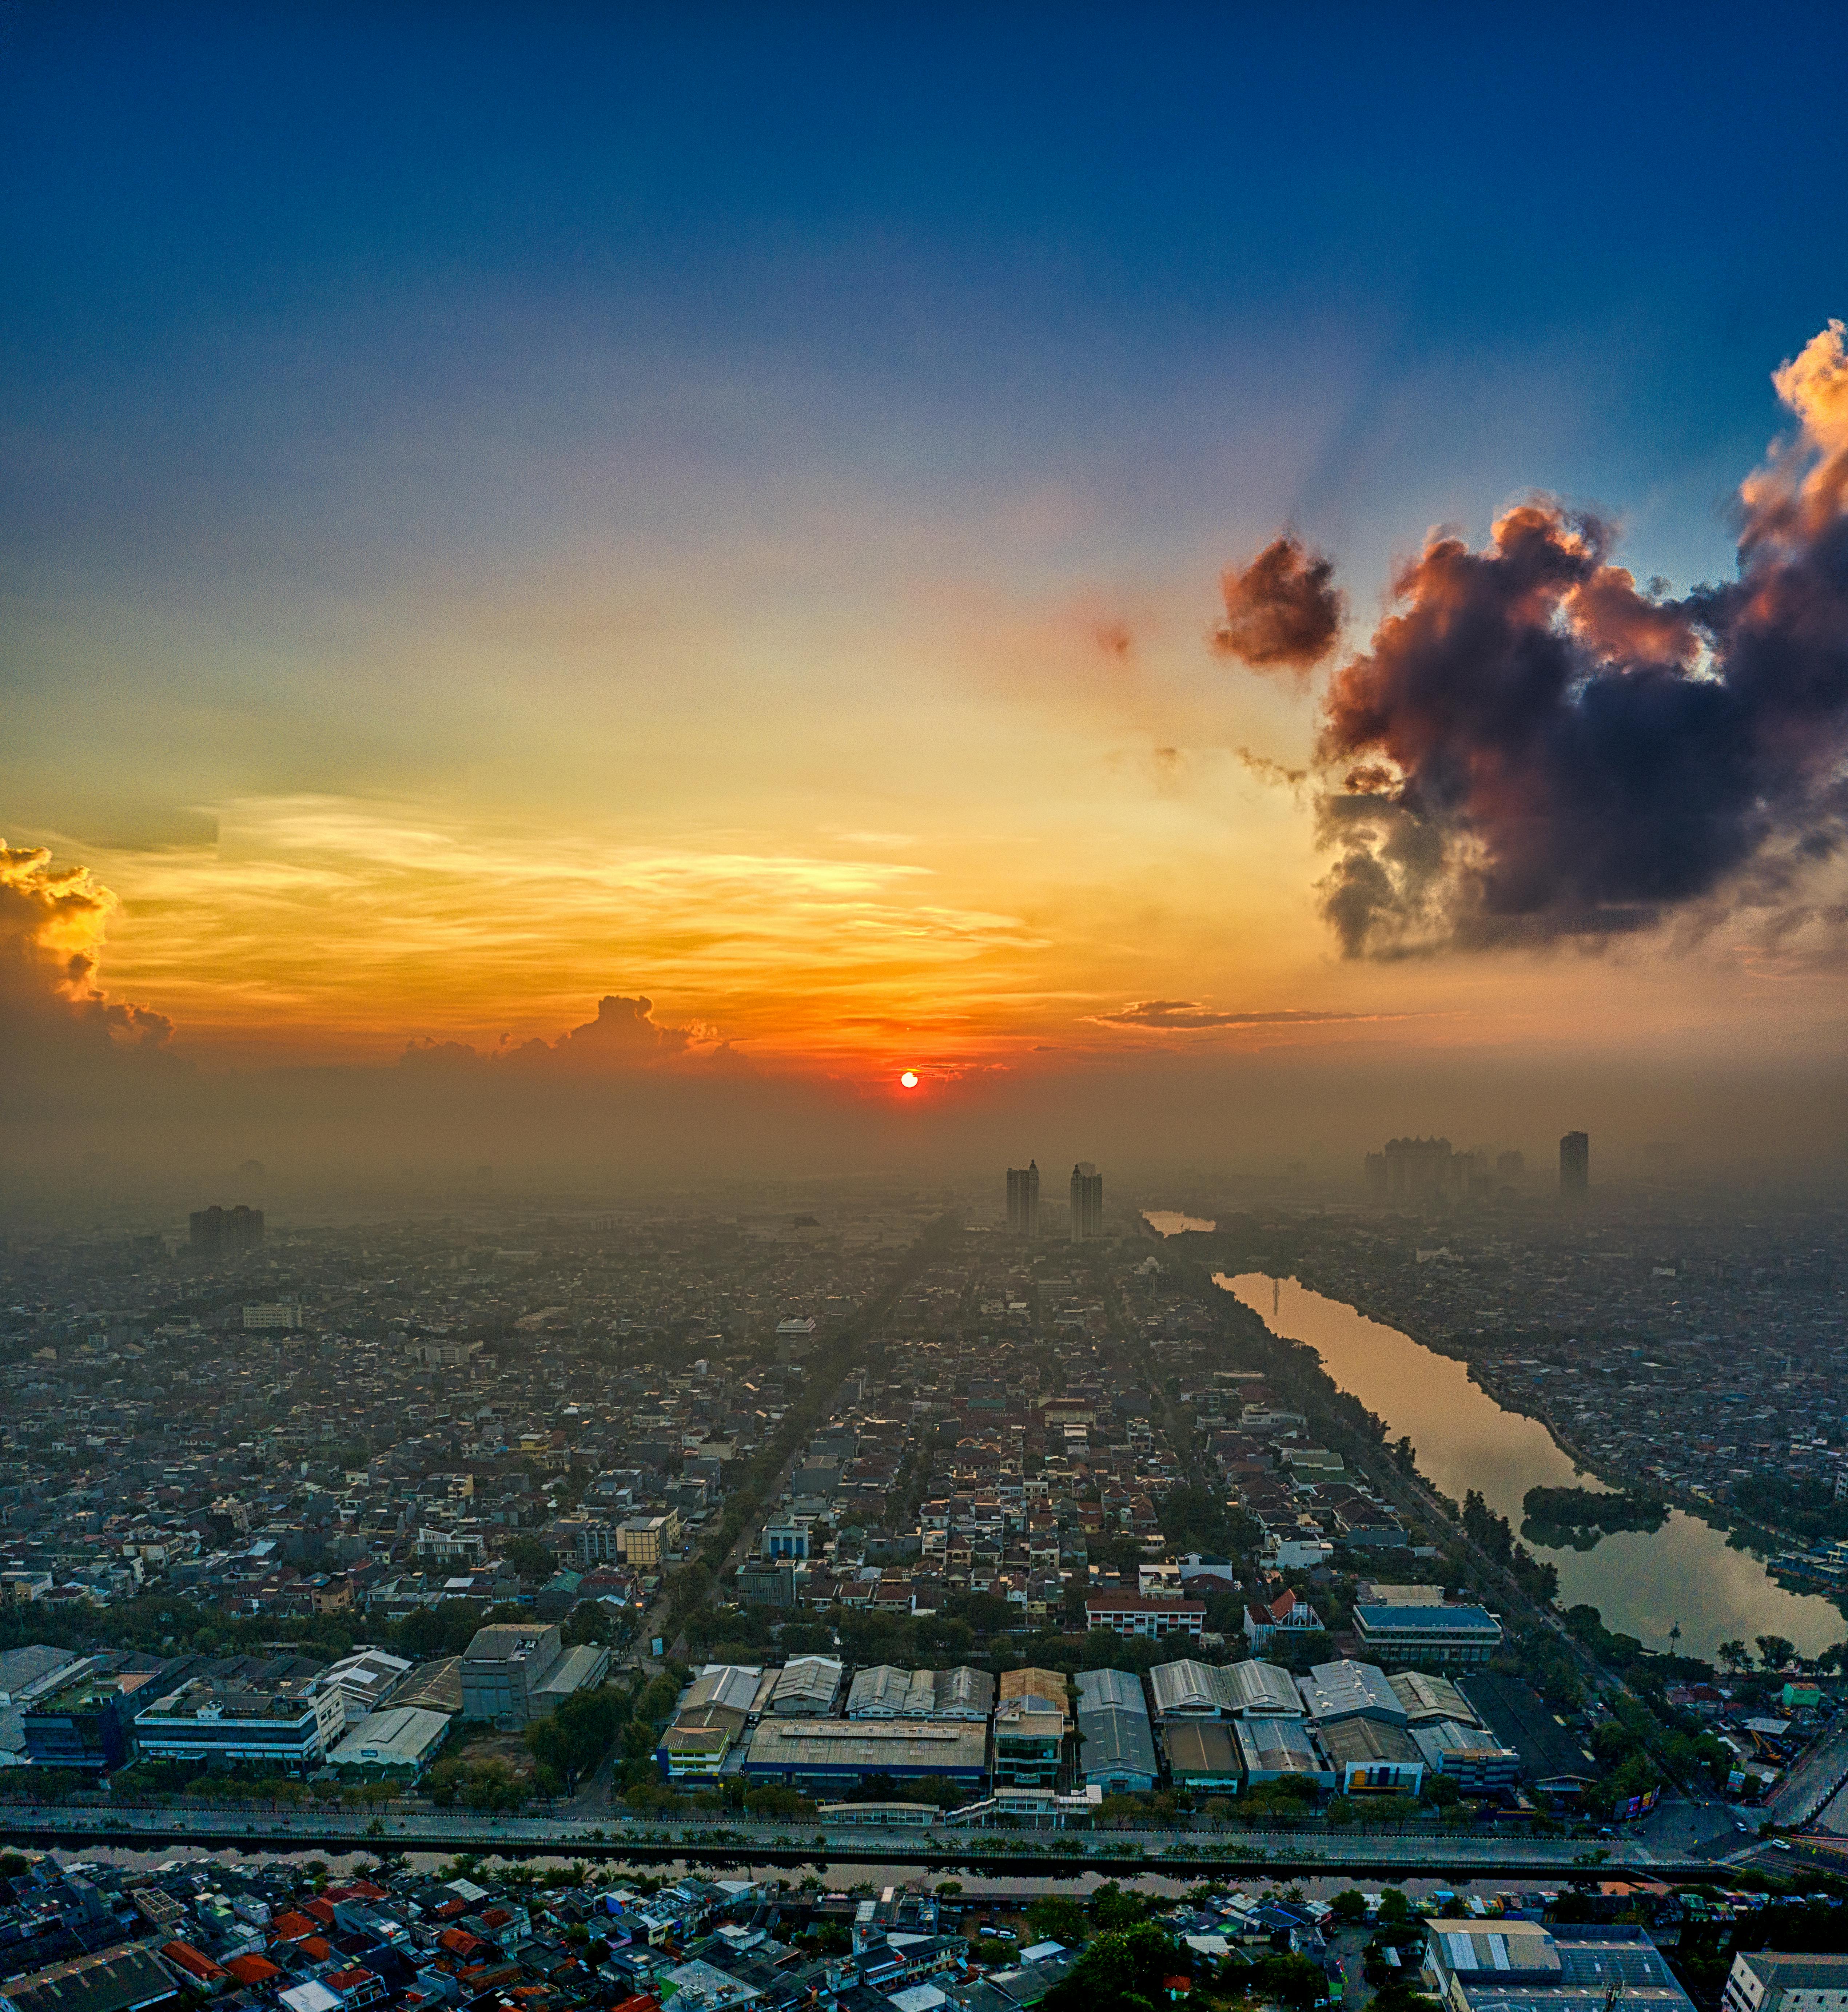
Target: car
x=1780, y=1844
x=1745, y=1829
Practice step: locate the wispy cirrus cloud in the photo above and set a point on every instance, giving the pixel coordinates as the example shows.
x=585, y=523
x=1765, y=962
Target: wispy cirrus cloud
x=1192, y=1016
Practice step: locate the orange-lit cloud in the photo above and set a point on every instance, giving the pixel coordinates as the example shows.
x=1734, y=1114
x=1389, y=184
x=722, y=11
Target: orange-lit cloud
x=52, y=923
x=1282, y=610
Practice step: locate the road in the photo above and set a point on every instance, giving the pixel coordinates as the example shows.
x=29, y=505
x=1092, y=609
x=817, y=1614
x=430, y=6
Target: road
x=1379, y=1853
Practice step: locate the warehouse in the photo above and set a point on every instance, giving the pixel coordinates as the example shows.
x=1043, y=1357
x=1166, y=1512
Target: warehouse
x=1281, y=1749
x=1116, y=1746
x=1202, y=1754
x=834, y=1753
x=1372, y=1759
x=396, y=1744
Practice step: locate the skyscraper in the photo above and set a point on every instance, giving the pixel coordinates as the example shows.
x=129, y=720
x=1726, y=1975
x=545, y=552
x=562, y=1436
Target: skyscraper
x=1023, y=1199
x=1574, y=1167
x=1087, y=1202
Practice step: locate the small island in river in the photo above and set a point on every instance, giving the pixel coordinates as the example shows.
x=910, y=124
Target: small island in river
x=1575, y=1518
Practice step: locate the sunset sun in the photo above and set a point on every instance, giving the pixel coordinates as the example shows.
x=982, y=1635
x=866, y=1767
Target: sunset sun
x=909, y=1079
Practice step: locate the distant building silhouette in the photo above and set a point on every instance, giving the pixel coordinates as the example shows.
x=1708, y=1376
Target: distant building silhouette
x=1087, y=1202
x=1574, y=1166
x=223, y=1233
x=1422, y=1170
x=1023, y=1199
x=1511, y=1166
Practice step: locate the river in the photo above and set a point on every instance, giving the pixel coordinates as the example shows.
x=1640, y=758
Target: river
x=1171, y=1222
x=1643, y=1583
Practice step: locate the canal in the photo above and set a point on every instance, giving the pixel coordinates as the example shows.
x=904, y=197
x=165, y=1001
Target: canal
x=1643, y=1583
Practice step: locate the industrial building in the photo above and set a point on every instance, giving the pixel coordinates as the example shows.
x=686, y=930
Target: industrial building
x=395, y=1744
x=1518, y=1966
x=1280, y=1749
x=1203, y=1753
x=830, y=1754
x=1116, y=1745
x=807, y=1687
x=1372, y=1759
x=513, y=1673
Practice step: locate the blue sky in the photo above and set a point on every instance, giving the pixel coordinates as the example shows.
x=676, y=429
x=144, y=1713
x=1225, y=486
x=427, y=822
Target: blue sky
x=630, y=424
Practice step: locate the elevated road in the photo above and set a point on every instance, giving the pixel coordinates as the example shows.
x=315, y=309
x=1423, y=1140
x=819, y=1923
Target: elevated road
x=1377, y=1853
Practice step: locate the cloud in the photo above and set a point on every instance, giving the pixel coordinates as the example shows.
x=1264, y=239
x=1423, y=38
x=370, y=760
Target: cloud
x=1282, y=611
x=52, y=923
x=1532, y=747
x=1188, y=1015
x=624, y=1036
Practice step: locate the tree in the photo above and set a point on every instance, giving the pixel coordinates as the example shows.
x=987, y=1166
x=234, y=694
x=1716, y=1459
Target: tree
x=1113, y=1910
x=531, y=1560
x=1349, y=1906
x=1395, y=1910
x=569, y=1743
x=1124, y=1971
x=1733, y=1655
x=1775, y=1653
x=1057, y=1917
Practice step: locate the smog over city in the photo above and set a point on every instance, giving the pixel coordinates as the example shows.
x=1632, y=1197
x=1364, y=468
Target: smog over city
x=922, y=1082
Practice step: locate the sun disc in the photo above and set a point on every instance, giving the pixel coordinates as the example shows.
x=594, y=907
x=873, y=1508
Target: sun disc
x=909, y=1079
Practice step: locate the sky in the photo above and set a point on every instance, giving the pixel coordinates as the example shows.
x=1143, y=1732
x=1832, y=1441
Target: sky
x=729, y=514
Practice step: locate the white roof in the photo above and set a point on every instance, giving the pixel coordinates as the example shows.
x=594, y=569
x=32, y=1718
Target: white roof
x=1263, y=1688
x=1198, y=1688
x=312, y=1996
x=397, y=1737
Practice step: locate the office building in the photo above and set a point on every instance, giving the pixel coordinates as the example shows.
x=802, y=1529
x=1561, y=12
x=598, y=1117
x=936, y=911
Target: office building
x=1766, y=1981
x=292, y=1722
x=1087, y=1202
x=1574, y=1166
x=273, y=1314
x=1030, y=1725
x=224, y=1232
x=1440, y=1636
x=1023, y=1199
x=1144, y=1614
x=84, y=1719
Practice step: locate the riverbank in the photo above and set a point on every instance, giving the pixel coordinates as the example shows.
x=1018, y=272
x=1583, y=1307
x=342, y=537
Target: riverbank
x=1682, y=1584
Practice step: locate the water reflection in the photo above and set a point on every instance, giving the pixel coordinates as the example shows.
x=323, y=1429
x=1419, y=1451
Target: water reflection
x=1171, y=1222
x=1643, y=1582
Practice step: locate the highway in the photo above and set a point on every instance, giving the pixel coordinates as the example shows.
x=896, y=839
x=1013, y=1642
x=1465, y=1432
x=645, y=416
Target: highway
x=1379, y=1853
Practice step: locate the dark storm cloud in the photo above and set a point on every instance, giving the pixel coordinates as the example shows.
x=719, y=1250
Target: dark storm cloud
x=1282, y=611
x=1532, y=747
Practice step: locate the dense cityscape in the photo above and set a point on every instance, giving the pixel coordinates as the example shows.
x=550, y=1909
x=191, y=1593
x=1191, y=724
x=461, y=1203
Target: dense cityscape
x=889, y=1516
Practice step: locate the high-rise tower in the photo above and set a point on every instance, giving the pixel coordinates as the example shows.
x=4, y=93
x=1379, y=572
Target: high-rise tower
x=1574, y=1167
x=1023, y=1199
x=1087, y=1202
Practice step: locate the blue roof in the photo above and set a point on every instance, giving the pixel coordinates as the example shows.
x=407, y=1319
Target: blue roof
x=1436, y=1620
